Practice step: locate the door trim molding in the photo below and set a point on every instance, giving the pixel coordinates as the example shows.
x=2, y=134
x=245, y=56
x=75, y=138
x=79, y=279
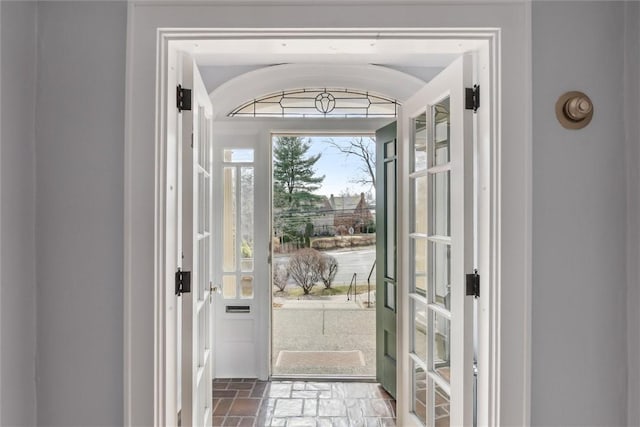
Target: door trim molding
x=509, y=199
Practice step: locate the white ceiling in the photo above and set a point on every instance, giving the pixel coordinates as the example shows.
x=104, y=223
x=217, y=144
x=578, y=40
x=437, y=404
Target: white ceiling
x=413, y=53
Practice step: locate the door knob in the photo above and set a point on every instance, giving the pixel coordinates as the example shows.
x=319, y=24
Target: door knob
x=213, y=289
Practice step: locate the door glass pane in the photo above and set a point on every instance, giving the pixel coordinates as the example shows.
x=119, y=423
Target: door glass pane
x=420, y=266
x=440, y=266
x=203, y=319
x=389, y=149
x=419, y=338
x=205, y=160
x=420, y=142
x=229, y=287
x=229, y=220
x=246, y=218
x=440, y=328
x=207, y=204
x=419, y=404
x=420, y=204
x=202, y=267
x=390, y=295
x=440, y=215
x=390, y=211
x=199, y=142
x=440, y=405
x=439, y=150
x=202, y=199
x=246, y=287
x=390, y=345
x=238, y=155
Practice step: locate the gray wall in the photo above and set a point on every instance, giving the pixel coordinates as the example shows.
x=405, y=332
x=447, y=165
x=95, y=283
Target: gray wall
x=79, y=221
x=579, y=372
x=580, y=216
x=632, y=127
x=17, y=248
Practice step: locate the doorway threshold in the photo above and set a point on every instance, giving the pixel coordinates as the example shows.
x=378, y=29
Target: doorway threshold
x=324, y=378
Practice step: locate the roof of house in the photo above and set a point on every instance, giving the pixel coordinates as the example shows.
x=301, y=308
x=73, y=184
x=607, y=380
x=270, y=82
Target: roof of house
x=345, y=203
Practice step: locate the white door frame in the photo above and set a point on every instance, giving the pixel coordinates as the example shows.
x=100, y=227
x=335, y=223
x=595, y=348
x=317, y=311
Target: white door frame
x=506, y=209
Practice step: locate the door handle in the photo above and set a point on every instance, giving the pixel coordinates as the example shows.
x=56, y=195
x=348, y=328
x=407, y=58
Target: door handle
x=213, y=289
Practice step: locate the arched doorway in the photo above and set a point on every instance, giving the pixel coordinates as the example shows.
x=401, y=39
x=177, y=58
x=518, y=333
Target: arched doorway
x=255, y=133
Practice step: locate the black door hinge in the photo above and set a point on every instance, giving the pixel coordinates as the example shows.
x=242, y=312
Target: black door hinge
x=183, y=97
x=473, y=284
x=472, y=98
x=183, y=282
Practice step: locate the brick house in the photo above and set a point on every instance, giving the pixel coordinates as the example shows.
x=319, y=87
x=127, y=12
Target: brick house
x=350, y=211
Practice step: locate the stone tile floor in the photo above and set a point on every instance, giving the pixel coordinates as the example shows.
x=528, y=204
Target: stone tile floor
x=250, y=402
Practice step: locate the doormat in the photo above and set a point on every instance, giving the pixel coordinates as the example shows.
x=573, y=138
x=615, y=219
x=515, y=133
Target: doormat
x=312, y=359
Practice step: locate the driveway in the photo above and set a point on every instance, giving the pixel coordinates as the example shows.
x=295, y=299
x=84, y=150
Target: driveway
x=356, y=260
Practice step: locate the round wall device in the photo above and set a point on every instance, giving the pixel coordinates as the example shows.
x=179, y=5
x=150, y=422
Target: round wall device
x=574, y=110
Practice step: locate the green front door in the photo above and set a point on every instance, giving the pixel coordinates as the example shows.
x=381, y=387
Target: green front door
x=386, y=270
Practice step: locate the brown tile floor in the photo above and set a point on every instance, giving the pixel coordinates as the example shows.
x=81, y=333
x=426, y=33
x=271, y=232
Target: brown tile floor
x=249, y=402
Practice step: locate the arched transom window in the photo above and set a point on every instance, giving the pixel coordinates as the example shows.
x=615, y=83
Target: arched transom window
x=313, y=102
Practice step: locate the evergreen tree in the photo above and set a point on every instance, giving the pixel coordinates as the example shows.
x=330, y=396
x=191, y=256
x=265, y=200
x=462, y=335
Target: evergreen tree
x=293, y=174
x=294, y=184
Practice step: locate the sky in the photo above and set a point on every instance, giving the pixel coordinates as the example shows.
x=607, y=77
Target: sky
x=339, y=170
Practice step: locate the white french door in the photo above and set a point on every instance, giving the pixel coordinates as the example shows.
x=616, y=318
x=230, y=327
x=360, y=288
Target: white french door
x=437, y=380
x=196, y=340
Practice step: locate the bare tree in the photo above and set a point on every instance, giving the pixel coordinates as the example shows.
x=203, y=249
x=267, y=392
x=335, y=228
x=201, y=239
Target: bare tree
x=280, y=276
x=303, y=268
x=364, y=148
x=328, y=269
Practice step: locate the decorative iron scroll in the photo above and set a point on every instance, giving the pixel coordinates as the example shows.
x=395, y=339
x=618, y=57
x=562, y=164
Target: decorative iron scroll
x=345, y=103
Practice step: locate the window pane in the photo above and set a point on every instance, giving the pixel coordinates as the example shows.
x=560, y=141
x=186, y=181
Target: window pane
x=420, y=142
x=390, y=211
x=440, y=328
x=203, y=318
x=440, y=405
x=420, y=266
x=419, y=401
x=267, y=110
x=419, y=338
x=229, y=220
x=246, y=287
x=389, y=149
x=440, y=267
x=229, y=287
x=314, y=102
x=246, y=218
x=238, y=155
x=390, y=295
x=202, y=128
x=203, y=277
x=207, y=204
x=439, y=150
x=205, y=153
x=202, y=199
x=441, y=202
x=420, y=204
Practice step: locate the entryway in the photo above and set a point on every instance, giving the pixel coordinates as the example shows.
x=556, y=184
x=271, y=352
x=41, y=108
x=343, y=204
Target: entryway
x=323, y=252
x=434, y=236
x=255, y=403
x=395, y=298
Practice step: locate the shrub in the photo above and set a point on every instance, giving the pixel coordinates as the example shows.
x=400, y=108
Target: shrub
x=280, y=276
x=303, y=268
x=246, y=249
x=327, y=269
